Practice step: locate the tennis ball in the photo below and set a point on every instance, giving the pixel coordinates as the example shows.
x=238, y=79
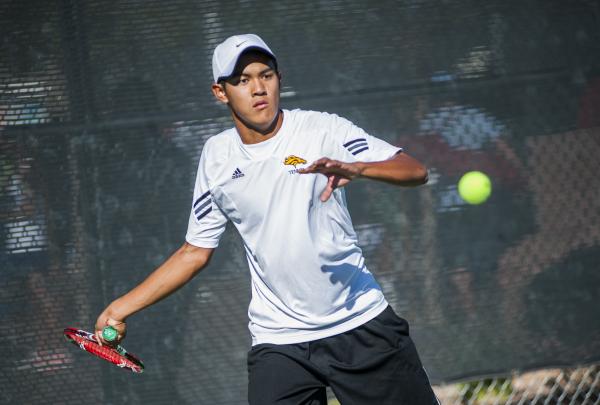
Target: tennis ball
x=474, y=187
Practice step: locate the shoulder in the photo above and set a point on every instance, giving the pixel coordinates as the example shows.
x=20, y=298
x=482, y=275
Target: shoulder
x=310, y=117
x=219, y=147
x=314, y=120
x=216, y=152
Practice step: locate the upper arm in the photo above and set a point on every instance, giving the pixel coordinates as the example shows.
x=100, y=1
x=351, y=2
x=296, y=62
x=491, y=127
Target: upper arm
x=206, y=222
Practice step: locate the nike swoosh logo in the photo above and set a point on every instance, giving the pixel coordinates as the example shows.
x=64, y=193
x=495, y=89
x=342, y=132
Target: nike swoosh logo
x=238, y=45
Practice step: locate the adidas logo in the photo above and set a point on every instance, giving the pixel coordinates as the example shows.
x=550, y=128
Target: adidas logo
x=237, y=173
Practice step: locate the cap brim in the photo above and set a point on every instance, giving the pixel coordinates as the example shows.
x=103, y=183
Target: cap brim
x=230, y=69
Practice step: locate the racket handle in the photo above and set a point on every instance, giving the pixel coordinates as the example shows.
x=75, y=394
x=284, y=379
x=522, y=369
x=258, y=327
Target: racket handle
x=109, y=333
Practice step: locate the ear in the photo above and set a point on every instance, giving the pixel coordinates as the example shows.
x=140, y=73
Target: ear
x=218, y=91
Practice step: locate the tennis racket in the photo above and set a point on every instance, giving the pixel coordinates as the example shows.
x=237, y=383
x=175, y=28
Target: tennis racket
x=116, y=355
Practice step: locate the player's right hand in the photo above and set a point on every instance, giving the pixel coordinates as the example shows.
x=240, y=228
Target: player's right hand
x=105, y=320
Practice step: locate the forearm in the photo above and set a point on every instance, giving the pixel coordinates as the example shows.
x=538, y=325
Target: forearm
x=180, y=268
x=402, y=170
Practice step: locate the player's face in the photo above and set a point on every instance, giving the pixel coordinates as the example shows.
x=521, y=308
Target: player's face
x=252, y=92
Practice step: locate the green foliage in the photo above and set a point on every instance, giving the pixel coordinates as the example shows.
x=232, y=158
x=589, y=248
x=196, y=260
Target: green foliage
x=479, y=390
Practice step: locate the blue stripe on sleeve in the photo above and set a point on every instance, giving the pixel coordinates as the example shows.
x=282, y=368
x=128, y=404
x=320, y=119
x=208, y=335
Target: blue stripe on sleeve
x=357, y=145
x=360, y=150
x=202, y=197
x=200, y=208
x=354, y=141
x=205, y=213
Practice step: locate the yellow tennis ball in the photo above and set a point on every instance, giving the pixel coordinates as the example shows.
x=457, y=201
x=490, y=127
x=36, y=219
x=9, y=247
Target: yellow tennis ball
x=474, y=187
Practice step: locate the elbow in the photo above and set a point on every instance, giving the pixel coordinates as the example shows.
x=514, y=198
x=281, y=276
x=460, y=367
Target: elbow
x=414, y=173
x=196, y=256
x=425, y=177
x=421, y=176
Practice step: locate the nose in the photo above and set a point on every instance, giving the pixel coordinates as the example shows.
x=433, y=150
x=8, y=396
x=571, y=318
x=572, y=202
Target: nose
x=259, y=88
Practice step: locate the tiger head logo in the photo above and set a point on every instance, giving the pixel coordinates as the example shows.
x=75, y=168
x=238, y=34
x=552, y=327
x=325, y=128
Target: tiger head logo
x=293, y=161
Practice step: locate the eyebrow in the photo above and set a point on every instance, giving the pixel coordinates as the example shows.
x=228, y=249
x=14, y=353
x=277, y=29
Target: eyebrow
x=262, y=72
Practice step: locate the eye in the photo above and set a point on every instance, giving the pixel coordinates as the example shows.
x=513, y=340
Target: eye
x=268, y=76
x=244, y=80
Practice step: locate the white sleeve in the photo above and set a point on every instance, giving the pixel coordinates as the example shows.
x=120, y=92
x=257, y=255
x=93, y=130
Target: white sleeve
x=207, y=222
x=353, y=143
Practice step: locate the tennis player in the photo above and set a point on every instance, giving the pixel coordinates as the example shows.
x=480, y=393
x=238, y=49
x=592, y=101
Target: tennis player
x=317, y=316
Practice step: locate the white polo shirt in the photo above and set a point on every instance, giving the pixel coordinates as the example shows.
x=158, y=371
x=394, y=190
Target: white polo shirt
x=309, y=279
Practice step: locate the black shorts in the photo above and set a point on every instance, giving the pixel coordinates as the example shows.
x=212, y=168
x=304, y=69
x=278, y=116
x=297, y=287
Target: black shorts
x=374, y=364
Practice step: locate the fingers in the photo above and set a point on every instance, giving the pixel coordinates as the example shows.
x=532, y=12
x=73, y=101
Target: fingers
x=323, y=162
x=332, y=184
x=98, y=330
x=338, y=174
x=98, y=335
x=328, y=167
x=320, y=166
x=326, y=194
x=119, y=326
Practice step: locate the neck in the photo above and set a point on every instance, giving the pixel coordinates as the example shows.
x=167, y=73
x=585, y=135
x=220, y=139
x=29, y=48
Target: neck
x=251, y=135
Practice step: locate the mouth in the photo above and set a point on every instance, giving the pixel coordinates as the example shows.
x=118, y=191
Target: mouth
x=260, y=105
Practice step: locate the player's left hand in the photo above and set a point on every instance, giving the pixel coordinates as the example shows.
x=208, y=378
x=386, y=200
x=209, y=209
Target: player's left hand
x=338, y=174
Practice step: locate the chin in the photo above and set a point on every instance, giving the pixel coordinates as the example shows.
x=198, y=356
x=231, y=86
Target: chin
x=266, y=118
x=259, y=120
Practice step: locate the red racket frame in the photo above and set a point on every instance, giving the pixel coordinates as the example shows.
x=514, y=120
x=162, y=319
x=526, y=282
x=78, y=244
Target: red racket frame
x=116, y=355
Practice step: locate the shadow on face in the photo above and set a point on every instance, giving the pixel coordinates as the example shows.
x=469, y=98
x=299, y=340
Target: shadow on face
x=246, y=59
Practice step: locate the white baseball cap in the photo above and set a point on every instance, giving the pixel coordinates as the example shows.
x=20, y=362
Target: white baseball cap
x=227, y=53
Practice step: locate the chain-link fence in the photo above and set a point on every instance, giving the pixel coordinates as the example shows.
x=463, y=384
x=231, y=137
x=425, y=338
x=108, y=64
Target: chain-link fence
x=567, y=386
x=572, y=386
x=105, y=108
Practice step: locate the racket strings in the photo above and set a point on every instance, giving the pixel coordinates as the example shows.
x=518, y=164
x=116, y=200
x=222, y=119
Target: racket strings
x=105, y=352
x=118, y=356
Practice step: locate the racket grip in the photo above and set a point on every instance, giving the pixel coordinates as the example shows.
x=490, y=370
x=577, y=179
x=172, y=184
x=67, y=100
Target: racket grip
x=109, y=333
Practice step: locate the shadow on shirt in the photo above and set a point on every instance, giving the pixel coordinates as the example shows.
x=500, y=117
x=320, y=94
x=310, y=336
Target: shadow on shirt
x=354, y=280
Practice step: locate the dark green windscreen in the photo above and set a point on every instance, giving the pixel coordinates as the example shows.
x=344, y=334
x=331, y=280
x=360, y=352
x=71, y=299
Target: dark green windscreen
x=105, y=107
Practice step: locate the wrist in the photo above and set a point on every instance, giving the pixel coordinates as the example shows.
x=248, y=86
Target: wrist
x=360, y=169
x=115, y=312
